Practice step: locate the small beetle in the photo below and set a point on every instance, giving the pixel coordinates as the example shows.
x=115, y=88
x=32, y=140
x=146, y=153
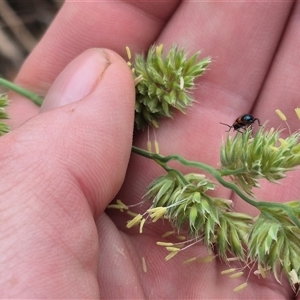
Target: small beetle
x=242, y=123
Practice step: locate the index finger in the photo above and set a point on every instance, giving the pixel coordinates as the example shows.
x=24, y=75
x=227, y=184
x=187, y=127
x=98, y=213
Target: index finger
x=82, y=25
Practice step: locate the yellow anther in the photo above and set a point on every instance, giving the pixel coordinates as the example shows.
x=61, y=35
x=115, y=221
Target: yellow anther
x=156, y=147
x=131, y=213
x=240, y=287
x=136, y=220
x=236, y=275
x=164, y=244
x=172, y=249
x=149, y=146
x=128, y=53
x=159, y=49
x=187, y=261
x=144, y=265
x=142, y=225
x=297, y=111
x=283, y=143
x=181, y=83
x=206, y=259
x=170, y=255
x=280, y=114
x=156, y=213
x=168, y=233
x=228, y=271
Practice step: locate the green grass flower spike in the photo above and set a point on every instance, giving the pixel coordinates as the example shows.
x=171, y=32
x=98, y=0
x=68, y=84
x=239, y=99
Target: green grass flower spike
x=246, y=158
x=165, y=85
x=188, y=207
x=274, y=242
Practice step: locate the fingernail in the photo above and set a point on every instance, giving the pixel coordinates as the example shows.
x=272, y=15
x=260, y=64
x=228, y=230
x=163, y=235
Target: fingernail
x=77, y=80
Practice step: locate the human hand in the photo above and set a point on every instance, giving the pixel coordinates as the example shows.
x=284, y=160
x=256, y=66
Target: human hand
x=70, y=161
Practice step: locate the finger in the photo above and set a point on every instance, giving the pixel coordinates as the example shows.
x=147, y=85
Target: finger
x=281, y=91
x=60, y=169
x=111, y=104
x=82, y=25
x=281, y=88
x=241, y=38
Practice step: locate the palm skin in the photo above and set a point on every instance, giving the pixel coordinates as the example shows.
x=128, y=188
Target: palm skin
x=57, y=240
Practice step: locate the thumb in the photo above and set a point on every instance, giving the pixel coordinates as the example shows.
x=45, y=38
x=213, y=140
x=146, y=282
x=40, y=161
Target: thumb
x=86, y=123
x=58, y=170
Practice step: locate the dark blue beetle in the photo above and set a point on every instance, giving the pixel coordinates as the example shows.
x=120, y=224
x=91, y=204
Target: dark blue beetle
x=242, y=122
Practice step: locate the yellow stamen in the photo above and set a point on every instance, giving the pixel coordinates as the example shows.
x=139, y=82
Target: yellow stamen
x=297, y=111
x=116, y=206
x=283, y=143
x=233, y=259
x=283, y=118
x=121, y=203
x=181, y=83
x=144, y=265
x=187, y=261
x=280, y=114
x=164, y=244
x=128, y=52
x=262, y=271
x=156, y=147
x=137, y=79
x=274, y=148
x=168, y=233
x=149, y=146
x=181, y=237
x=159, y=49
x=142, y=225
x=172, y=254
x=206, y=259
x=228, y=271
x=240, y=287
x=294, y=277
x=172, y=249
x=131, y=213
x=236, y=275
x=136, y=220
x=154, y=123
x=156, y=213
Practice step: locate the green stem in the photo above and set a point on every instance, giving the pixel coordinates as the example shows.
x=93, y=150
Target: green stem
x=199, y=165
x=232, y=172
x=38, y=100
x=261, y=205
x=178, y=173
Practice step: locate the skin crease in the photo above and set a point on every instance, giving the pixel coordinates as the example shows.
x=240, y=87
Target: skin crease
x=61, y=168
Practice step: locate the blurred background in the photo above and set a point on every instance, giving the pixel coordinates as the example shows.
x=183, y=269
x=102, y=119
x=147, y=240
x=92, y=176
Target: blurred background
x=22, y=24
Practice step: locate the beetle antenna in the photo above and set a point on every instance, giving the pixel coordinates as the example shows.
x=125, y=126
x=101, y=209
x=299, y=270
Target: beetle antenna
x=227, y=125
x=257, y=121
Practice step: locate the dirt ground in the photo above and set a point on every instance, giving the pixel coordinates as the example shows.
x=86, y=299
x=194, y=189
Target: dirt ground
x=22, y=24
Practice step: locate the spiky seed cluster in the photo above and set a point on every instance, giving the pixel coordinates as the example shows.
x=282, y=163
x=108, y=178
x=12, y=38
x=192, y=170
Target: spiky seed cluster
x=247, y=159
x=275, y=242
x=186, y=205
x=232, y=234
x=4, y=102
x=167, y=190
x=166, y=83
